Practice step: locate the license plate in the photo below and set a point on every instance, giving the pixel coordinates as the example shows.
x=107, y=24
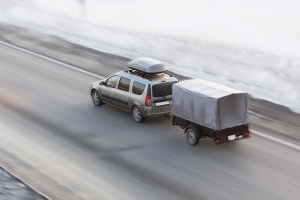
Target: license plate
x=162, y=103
x=231, y=137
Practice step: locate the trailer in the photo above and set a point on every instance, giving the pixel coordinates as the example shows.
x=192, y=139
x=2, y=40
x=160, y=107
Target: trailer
x=209, y=110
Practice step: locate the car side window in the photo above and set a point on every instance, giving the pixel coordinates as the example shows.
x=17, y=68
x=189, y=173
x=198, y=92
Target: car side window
x=124, y=84
x=138, y=88
x=112, y=81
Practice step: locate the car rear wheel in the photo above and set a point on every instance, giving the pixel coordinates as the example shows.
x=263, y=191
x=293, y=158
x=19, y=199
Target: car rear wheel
x=137, y=115
x=192, y=135
x=96, y=98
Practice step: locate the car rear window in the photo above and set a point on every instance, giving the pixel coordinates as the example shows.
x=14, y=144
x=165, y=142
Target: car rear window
x=162, y=89
x=138, y=88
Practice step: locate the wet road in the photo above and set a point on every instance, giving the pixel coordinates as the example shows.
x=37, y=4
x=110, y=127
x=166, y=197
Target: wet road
x=52, y=135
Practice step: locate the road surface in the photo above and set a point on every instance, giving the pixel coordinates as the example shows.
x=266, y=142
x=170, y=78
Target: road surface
x=54, y=138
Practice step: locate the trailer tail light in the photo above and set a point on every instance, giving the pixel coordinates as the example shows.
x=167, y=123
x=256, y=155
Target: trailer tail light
x=246, y=135
x=220, y=141
x=148, y=101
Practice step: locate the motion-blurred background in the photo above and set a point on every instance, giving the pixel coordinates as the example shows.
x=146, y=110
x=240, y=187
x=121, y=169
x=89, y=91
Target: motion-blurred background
x=250, y=45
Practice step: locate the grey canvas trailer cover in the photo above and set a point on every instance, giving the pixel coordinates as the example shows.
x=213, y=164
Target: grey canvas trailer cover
x=206, y=109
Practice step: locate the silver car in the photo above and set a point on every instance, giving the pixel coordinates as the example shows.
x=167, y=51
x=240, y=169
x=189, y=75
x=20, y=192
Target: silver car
x=145, y=89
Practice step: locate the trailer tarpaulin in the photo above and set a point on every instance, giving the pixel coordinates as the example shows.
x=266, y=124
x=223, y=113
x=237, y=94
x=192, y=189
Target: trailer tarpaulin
x=209, y=104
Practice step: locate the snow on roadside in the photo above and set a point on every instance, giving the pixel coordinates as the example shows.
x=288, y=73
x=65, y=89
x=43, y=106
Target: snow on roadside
x=221, y=54
x=12, y=189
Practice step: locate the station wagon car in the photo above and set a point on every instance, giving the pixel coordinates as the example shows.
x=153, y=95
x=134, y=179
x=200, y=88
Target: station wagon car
x=145, y=89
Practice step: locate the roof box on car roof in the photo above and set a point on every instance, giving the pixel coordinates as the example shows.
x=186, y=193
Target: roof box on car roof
x=147, y=65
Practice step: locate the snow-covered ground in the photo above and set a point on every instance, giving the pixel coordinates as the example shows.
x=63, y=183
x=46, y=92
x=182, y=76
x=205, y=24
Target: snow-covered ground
x=250, y=45
x=13, y=189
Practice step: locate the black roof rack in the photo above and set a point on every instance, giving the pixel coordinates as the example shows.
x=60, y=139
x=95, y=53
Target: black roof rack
x=147, y=75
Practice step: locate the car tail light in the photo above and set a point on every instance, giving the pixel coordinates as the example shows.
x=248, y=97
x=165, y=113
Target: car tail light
x=148, y=101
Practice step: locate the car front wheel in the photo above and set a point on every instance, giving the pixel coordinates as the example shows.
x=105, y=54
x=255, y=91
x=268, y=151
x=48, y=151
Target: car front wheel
x=96, y=98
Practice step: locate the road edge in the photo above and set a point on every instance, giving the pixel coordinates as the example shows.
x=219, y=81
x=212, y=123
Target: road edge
x=31, y=187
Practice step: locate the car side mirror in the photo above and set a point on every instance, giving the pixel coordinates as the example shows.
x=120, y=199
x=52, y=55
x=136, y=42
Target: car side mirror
x=102, y=83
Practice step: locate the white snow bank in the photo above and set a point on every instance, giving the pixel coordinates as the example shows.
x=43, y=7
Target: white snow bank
x=250, y=45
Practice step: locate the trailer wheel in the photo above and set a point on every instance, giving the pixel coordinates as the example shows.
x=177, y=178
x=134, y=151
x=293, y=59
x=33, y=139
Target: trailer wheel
x=192, y=135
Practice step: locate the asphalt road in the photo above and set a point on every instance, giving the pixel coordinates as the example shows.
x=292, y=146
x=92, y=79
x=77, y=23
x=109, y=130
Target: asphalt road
x=54, y=138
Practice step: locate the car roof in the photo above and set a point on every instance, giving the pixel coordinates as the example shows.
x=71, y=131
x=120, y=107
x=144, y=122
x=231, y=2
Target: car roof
x=147, y=65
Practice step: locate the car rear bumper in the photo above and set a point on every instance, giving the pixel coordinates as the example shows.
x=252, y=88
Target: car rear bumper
x=148, y=112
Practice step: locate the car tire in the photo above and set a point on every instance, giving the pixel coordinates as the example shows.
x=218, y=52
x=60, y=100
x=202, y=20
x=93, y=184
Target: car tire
x=96, y=98
x=137, y=115
x=192, y=135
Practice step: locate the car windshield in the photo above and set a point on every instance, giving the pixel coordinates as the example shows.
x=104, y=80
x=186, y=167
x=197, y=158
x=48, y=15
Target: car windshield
x=162, y=89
